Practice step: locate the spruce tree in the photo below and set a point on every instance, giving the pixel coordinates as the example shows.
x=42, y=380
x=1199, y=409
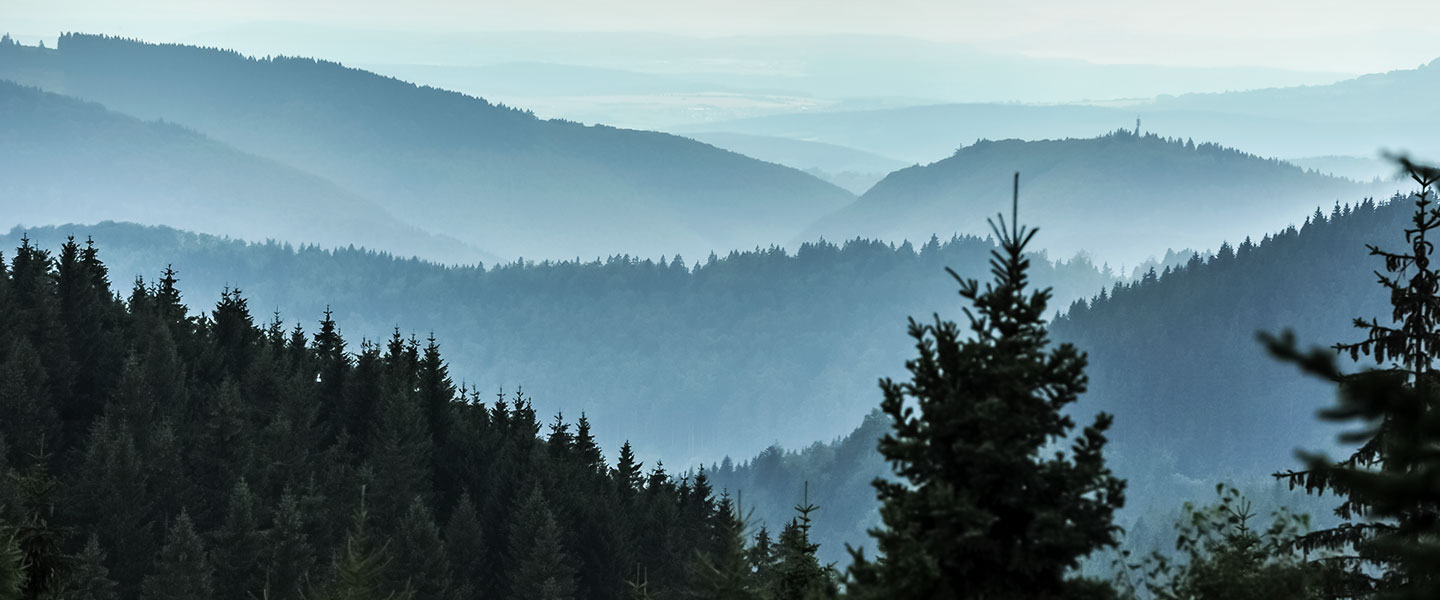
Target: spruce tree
x=30, y=422
x=538, y=568
x=112, y=495
x=421, y=562
x=465, y=543
x=402, y=455
x=89, y=579
x=288, y=554
x=39, y=539
x=1389, y=541
x=762, y=558
x=724, y=573
x=358, y=571
x=627, y=470
x=983, y=510
x=237, y=547
x=797, y=572
x=436, y=391
x=182, y=570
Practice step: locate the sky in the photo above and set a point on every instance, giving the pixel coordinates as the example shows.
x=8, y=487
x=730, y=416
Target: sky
x=1311, y=35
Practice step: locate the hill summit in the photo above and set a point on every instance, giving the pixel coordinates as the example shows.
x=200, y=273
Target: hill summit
x=1122, y=197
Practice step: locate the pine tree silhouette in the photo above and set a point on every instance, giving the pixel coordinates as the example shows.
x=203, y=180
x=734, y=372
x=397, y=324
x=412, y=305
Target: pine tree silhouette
x=1391, y=507
x=981, y=512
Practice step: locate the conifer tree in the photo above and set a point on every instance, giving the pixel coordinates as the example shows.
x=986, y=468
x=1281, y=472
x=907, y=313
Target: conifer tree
x=724, y=573
x=465, y=544
x=586, y=449
x=627, y=470
x=981, y=512
x=797, y=572
x=30, y=421
x=112, y=494
x=288, y=554
x=237, y=548
x=762, y=558
x=39, y=539
x=437, y=391
x=1390, y=539
x=402, y=455
x=182, y=570
x=541, y=568
x=358, y=571
x=89, y=579
x=421, y=562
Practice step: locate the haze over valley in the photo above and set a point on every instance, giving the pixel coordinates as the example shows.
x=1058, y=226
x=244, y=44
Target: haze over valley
x=310, y=301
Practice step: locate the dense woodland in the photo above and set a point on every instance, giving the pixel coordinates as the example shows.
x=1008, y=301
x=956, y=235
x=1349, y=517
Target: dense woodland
x=690, y=359
x=843, y=307
x=155, y=453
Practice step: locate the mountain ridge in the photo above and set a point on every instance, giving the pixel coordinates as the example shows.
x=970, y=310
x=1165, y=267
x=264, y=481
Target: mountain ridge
x=68, y=160
x=1121, y=197
x=458, y=165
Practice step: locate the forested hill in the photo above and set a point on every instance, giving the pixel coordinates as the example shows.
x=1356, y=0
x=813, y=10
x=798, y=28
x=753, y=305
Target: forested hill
x=457, y=165
x=1174, y=356
x=67, y=161
x=691, y=360
x=1122, y=196
x=149, y=451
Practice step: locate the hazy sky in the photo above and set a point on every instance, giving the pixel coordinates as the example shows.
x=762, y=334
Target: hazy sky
x=1324, y=35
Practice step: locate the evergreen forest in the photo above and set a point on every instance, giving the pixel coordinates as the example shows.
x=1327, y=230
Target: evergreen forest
x=154, y=451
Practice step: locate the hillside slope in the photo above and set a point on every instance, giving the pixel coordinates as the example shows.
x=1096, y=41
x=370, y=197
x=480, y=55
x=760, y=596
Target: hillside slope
x=854, y=170
x=692, y=362
x=454, y=164
x=1197, y=400
x=67, y=161
x=1122, y=197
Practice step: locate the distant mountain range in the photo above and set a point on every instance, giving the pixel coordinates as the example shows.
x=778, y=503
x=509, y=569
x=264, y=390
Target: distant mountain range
x=63, y=160
x=653, y=80
x=1123, y=197
x=1354, y=117
x=854, y=170
x=494, y=177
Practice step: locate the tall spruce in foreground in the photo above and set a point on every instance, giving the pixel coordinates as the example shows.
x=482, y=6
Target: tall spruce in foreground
x=1389, y=542
x=984, y=511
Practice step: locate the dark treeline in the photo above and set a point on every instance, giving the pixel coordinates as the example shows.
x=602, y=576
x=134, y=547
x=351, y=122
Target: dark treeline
x=151, y=452
x=836, y=475
x=691, y=360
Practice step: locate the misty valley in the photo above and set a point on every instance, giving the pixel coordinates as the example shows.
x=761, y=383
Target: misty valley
x=297, y=310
